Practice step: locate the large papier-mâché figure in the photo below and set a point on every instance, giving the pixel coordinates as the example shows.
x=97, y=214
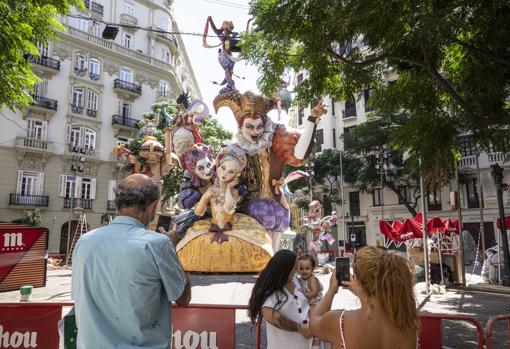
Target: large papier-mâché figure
x=228, y=241
x=198, y=176
x=269, y=147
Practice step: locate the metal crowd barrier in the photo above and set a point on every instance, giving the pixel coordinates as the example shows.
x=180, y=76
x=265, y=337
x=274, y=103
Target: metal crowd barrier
x=431, y=334
x=490, y=328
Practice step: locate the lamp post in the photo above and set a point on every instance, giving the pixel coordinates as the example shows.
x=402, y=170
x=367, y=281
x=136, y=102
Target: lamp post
x=310, y=171
x=342, y=201
x=382, y=168
x=497, y=173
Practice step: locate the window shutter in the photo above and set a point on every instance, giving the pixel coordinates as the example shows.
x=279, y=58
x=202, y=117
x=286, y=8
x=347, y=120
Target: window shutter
x=68, y=136
x=92, y=188
x=20, y=179
x=77, y=187
x=111, y=186
x=44, y=130
x=29, y=127
x=40, y=183
x=62, y=186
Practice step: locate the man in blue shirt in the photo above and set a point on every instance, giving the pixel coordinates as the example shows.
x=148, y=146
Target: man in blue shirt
x=125, y=277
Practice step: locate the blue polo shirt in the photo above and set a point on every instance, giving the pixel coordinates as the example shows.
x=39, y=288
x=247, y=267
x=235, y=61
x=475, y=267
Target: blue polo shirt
x=124, y=279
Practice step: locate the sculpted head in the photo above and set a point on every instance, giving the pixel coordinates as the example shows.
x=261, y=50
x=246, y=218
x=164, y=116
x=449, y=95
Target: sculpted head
x=230, y=161
x=199, y=162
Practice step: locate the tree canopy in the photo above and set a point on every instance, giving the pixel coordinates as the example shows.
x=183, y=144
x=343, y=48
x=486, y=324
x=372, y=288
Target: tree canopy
x=367, y=153
x=25, y=23
x=452, y=59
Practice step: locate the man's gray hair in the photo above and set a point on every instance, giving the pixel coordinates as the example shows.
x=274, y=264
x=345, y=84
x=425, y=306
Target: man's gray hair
x=138, y=197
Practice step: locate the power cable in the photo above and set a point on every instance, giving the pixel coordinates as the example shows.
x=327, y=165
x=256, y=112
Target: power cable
x=13, y=121
x=228, y=4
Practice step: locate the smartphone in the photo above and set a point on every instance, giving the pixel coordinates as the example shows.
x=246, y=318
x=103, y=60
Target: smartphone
x=343, y=269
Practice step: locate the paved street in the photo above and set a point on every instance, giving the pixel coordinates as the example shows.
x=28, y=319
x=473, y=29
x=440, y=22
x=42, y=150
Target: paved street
x=235, y=289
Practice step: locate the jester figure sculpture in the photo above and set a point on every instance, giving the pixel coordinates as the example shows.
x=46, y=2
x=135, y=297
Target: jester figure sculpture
x=269, y=147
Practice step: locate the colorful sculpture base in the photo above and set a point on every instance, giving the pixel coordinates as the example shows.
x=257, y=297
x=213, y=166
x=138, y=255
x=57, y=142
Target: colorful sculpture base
x=248, y=248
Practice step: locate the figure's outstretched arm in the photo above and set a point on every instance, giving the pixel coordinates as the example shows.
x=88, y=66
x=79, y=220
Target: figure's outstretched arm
x=305, y=139
x=213, y=26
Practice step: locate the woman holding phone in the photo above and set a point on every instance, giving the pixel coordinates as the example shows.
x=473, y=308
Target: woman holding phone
x=387, y=318
x=277, y=299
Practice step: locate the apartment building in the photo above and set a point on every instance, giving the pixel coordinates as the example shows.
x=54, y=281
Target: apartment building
x=57, y=152
x=362, y=211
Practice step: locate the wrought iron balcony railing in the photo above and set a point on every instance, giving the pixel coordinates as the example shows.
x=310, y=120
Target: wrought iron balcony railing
x=124, y=121
x=28, y=200
x=43, y=102
x=128, y=86
x=83, y=203
x=45, y=61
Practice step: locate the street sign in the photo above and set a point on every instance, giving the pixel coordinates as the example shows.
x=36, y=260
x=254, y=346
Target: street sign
x=353, y=237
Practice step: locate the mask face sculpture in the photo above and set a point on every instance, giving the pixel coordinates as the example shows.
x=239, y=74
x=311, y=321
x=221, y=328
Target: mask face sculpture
x=252, y=129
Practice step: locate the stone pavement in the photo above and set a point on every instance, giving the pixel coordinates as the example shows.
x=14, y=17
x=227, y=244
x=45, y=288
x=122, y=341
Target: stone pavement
x=235, y=290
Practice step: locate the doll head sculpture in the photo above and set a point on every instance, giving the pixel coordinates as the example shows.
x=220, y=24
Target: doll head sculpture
x=230, y=161
x=198, y=161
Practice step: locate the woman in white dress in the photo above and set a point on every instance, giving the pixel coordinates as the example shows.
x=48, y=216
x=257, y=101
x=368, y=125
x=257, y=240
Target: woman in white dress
x=281, y=304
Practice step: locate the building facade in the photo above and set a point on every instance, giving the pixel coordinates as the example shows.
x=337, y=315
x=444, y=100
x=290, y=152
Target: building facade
x=362, y=211
x=57, y=152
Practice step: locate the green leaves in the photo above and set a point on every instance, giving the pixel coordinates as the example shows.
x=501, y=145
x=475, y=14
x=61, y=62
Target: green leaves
x=452, y=59
x=24, y=23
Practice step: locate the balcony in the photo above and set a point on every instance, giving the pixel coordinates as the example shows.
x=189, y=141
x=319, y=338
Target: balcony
x=122, y=120
x=38, y=145
x=110, y=205
x=121, y=50
x=84, y=151
x=92, y=113
x=128, y=19
x=77, y=109
x=168, y=38
x=127, y=89
x=80, y=71
x=45, y=65
x=97, y=8
x=94, y=77
x=496, y=158
x=78, y=203
x=26, y=201
x=467, y=162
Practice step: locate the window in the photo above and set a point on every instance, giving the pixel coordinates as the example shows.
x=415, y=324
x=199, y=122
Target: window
x=30, y=183
x=334, y=138
x=79, y=64
x=36, y=128
x=377, y=199
x=90, y=139
x=43, y=49
x=466, y=146
x=473, y=199
x=165, y=55
x=40, y=88
x=82, y=24
x=300, y=113
x=77, y=100
x=125, y=109
x=129, y=9
x=126, y=74
x=407, y=195
x=349, y=130
x=97, y=29
x=333, y=101
x=354, y=204
x=367, y=93
x=92, y=99
x=127, y=40
x=163, y=88
x=434, y=200
x=84, y=188
x=122, y=141
x=319, y=140
x=94, y=69
x=350, y=108
x=75, y=136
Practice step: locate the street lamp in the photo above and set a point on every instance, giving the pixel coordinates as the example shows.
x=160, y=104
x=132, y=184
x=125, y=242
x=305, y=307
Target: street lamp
x=382, y=170
x=310, y=170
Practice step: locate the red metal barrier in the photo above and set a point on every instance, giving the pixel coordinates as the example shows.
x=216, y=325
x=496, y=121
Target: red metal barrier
x=36, y=324
x=431, y=334
x=490, y=325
